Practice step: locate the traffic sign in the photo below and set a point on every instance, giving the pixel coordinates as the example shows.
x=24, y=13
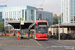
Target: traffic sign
x=22, y=21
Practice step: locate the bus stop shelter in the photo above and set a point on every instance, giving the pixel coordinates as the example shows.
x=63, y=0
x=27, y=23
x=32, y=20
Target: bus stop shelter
x=17, y=25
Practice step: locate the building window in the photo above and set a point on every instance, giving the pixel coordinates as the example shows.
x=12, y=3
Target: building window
x=66, y=7
x=5, y=14
x=11, y=19
x=6, y=19
x=9, y=13
x=19, y=13
x=72, y=6
x=66, y=1
x=71, y=18
x=22, y=13
x=40, y=16
x=32, y=15
x=14, y=13
x=72, y=1
x=71, y=22
x=71, y=12
x=67, y=13
x=74, y=18
x=74, y=12
x=67, y=19
x=25, y=14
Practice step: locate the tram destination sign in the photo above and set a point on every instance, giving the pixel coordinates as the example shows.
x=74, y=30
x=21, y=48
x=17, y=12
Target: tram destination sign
x=3, y=5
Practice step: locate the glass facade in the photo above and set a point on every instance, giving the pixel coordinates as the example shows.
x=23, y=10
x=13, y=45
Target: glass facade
x=68, y=10
x=43, y=15
x=72, y=6
x=1, y=20
x=72, y=1
x=17, y=12
x=72, y=11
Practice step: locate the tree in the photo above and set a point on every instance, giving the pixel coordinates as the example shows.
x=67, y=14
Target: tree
x=55, y=15
x=60, y=15
x=55, y=21
x=1, y=26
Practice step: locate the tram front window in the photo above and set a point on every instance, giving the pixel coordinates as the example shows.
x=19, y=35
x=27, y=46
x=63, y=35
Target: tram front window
x=42, y=28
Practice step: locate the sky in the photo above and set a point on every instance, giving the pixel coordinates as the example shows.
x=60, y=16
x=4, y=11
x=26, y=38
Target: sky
x=48, y=5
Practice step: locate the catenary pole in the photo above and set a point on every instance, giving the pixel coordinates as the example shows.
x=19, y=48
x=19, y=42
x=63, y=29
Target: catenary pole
x=59, y=29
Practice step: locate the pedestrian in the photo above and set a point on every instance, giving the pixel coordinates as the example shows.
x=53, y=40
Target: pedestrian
x=28, y=33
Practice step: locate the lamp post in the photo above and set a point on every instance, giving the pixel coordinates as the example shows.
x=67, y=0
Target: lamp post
x=59, y=29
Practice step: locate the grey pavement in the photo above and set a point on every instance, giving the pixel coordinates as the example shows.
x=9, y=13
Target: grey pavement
x=31, y=44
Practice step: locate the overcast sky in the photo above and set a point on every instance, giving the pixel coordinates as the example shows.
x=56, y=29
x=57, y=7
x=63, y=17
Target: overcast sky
x=48, y=5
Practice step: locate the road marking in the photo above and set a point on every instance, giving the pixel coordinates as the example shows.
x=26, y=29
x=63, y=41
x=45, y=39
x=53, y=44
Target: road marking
x=57, y=43
x=39, y=43
x=47, y=47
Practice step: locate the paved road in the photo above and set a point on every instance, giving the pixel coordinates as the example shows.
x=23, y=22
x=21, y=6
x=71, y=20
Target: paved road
x=24, y=44
x=58, y=45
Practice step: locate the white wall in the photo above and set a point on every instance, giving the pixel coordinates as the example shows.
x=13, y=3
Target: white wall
x=54, y=30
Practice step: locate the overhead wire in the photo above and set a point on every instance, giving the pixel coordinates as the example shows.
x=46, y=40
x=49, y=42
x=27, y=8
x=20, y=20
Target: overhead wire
x=42, y=3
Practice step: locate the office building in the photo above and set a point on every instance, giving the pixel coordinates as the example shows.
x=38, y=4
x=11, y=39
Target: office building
x=44, y=15
x=68, y=11
x=16, y=13
x=29, y=13
x=1, y=20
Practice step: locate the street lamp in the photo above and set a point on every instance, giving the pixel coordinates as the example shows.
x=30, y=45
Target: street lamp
x=59, y=29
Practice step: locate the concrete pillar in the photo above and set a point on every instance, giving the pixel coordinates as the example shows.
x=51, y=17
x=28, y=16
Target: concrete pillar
x=69, y=30
x=62, y=29
x=52, y=31
x=55, y=31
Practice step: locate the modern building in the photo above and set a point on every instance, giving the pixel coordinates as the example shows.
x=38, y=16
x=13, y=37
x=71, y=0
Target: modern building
x=1, y=20
x=44, y=15
x=59, y=18
x=68, y=17
x=68, y=11
x=17, y=12
x=29, y=13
